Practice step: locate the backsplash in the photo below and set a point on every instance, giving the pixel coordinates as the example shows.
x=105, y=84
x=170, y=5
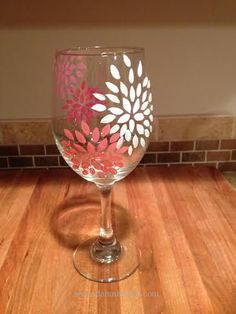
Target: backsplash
x=216, y=153
x=190, y=140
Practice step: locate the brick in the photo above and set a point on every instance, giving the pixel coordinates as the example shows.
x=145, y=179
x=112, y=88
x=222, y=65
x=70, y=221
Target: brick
x=47, y=161
x=168, y=157
x=227, y=166
x=158, y=146
x=182, y=145
x=62, y=162
x=31, y=150
x=193, y=156
x=228, y=144
x=207, y=144
x=234, y=155
x=148, y=158
x=3, y=162
x=52, y=150
x=20, y=162
x=218, y=156
x=8, y=150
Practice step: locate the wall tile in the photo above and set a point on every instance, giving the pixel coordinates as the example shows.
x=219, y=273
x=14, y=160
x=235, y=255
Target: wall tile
x=31, y=149
x=228, y=144
x=184, y=128
x=218, y=155
x=158, y=146
x=47, y=161
x=19, y=162
x=193, y=156
x=8, y=150
x=207, y=144
x=227, y=166
x=181, y=145
x=3, y=162
x=26, y=132
x=168, y=157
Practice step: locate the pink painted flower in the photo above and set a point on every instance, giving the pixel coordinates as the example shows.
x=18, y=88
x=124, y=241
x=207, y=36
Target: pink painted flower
x=96, y=153
x=78, y=106
x=69, y=69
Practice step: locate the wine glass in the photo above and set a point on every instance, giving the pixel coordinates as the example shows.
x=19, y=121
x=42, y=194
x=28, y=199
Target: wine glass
x=102, y=121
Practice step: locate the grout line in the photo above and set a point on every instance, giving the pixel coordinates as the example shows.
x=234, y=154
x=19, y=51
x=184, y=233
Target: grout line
x=33, y=161
x=194, y=144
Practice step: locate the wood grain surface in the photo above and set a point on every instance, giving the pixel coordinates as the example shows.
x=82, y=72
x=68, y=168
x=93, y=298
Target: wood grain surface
x=184, y=220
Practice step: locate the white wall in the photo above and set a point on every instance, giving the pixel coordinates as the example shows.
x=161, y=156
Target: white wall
x=192, y=66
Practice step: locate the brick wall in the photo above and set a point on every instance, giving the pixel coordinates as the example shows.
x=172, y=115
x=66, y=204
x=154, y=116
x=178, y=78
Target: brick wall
x=216, y=153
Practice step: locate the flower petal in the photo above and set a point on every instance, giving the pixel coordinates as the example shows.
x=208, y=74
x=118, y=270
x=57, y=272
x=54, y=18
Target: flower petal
x=85, y=128
x=140, y=128
x=120, y=143
x=140, y=69
x=136, y=105
x=102, y=145
x=131, y=125
x=127, y=60
x=68, y=134
x=150, y=97
x=135, y=141
x=114, y=129
x=144, y=105
x=132, y=93
x=128, y=135
x=138, y=116
x=122, y=150
x=115, y=72
x=131, y=76
x=114, y=137
x=147, y=133
x=79, y=148
x=130, y=150
x=151, y=117
x=95, y=135
x=147, y=112
x=124, y=89
x=81, y=139
x=124, y=118
x=112, y=147
x=90, y=148
x=108, y=118
x=123, y=129
x=99, y=107
x=138, y=90
x=116, y=111
x=105, y=130
x=145, y=81
x=99, y=96
x=112, y=87
x=146, y=123
x=127, y=105
x=142, y=142
x=144, y=96
x=113, y=98
x=149, y=84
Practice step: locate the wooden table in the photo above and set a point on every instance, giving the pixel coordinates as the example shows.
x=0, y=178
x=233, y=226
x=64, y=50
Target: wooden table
x=184, y=220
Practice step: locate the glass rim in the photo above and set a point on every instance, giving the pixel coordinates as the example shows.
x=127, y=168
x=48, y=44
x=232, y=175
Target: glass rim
x=99, y=51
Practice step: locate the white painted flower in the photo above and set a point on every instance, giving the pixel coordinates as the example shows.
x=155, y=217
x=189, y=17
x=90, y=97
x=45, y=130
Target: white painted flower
x=131, y=110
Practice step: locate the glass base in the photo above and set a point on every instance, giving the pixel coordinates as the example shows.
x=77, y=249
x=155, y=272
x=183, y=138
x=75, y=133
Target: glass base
x=105, y=271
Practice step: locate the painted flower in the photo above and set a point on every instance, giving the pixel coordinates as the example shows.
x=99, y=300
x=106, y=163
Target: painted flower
x=78, y=106
x=68, y=71
x=94, y=152
x=131, y=112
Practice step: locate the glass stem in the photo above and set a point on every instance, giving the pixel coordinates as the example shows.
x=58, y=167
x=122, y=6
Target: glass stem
x=106, y=234
x=106, y=249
